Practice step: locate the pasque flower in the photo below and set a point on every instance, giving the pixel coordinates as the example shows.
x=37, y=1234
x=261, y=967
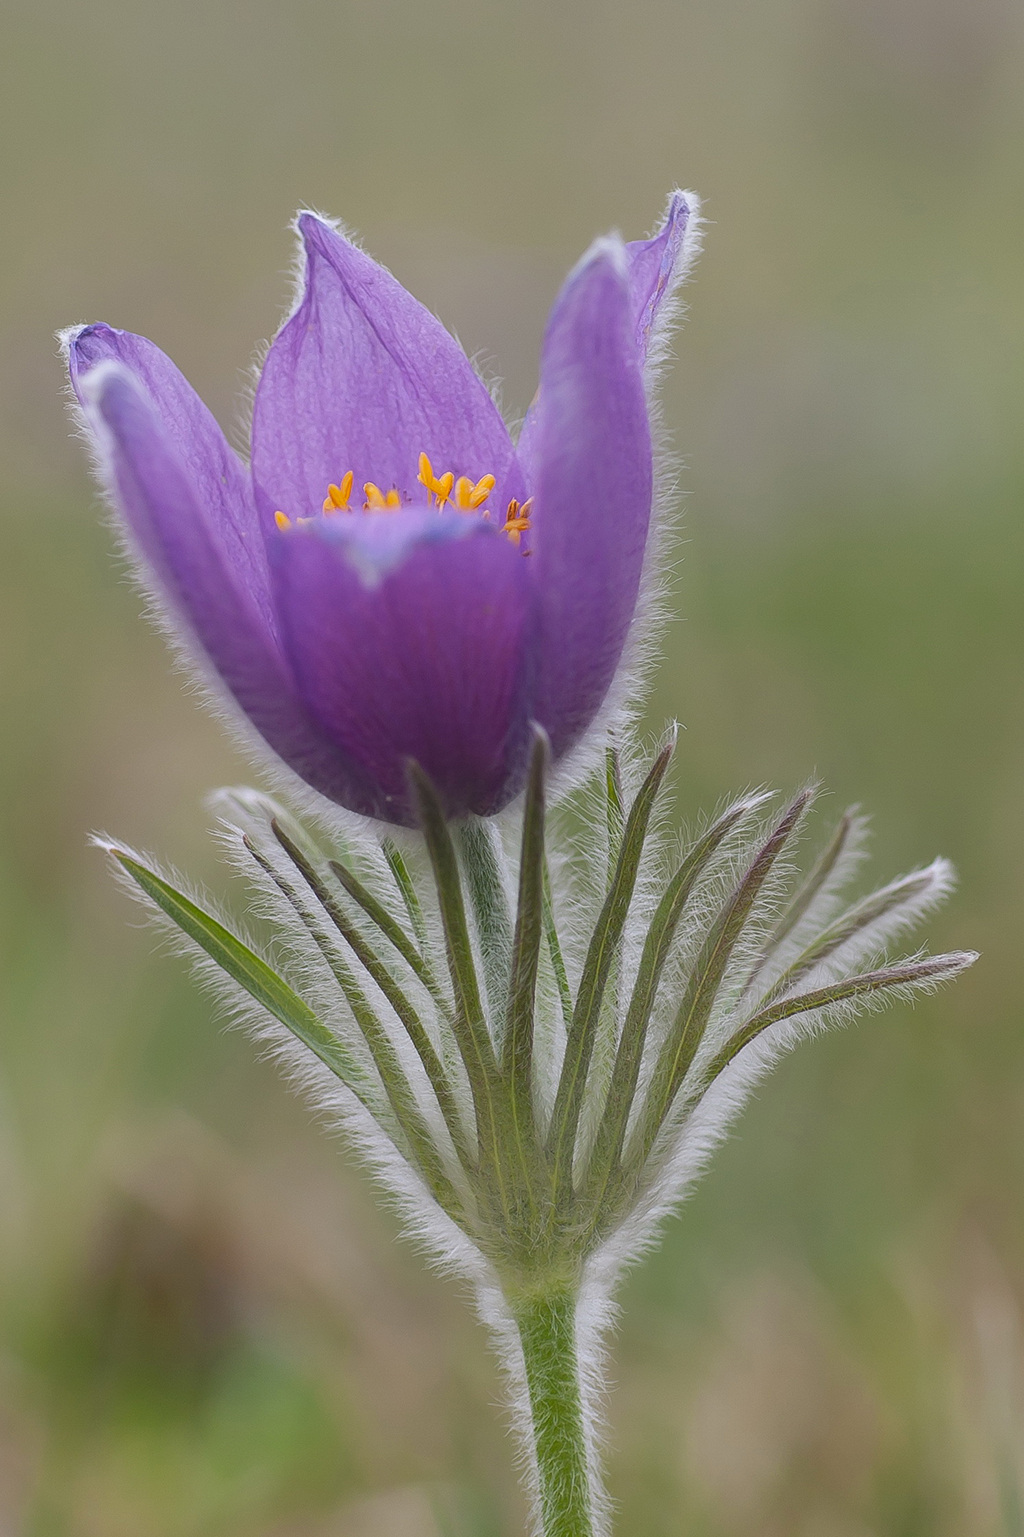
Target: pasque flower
x=392, y=578
x=535, y=1030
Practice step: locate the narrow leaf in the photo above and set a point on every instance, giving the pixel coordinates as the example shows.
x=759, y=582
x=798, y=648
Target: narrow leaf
x=687, y=1032
x=252, y=973
x=614, y=807
x=602, y=949
x=808, y=889
x=392, y=1074
x=469, y=1026
x=475, y=840
x=555, y=951
x=394, y=994
x=657, y=947
x=407, y=887
x=392, y=931
x=905, y=892
x=934, y=968
x=517, y=1046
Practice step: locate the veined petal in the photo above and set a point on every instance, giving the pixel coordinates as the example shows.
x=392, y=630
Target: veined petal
x=427, y=658
x=222, y=483
x=363, y=378
x=657, y=265
x=168, y=522
x=592, y=502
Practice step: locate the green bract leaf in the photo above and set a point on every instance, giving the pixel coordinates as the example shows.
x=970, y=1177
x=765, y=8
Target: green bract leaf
x=250, y=971
x=657, y=946
x=932, y=969
x=477, y=842
x=555, y=951
x=392, y=931
x=517, y=1047
x=412, y=1128
x=377, y=1038
x=885, y=902
x=600, y=954
x=470, y=1025
x=406, y=885
x=614, y=806
x=683, y=1040
x=808, y=889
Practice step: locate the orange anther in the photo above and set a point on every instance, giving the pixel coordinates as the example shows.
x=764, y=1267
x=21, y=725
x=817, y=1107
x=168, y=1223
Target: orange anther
x=282, y=520
x=438, y=486
x=517, y=520
x=377, y=501
x=468, y=496
x=337, y=497
x=482, y=490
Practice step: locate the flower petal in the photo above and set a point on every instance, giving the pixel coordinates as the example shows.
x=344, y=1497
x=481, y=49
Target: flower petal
x=593, y=493
x=363, y=378
x=427, y=660
x=221, y=481
x=658, y=265
x=171, y=527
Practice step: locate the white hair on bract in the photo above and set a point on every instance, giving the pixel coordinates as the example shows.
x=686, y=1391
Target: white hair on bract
x=699, y=960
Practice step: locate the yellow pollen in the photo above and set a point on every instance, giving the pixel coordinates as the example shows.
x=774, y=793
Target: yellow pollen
x=337, y=497
x=439, y=487
x=468, y=497
x=282, y=520
x=377, y=501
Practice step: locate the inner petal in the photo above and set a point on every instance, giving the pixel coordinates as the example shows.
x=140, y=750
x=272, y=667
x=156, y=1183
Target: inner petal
x=362, y=377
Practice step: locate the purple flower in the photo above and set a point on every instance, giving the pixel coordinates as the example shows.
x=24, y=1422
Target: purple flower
x=472, y=585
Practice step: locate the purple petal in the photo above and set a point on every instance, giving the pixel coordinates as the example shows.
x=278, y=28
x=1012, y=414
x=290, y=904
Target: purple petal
x=163, y=510
x=363, y=378
x=429, y=661
x=593, y=493
x=655, y=268
x=221, y=481
x=657, y=265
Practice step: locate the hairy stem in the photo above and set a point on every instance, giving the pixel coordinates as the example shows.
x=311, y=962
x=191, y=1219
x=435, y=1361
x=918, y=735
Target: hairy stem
x=546, y=1321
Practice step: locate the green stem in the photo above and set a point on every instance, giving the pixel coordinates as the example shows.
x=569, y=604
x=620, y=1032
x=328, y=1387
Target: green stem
x=547, y=1331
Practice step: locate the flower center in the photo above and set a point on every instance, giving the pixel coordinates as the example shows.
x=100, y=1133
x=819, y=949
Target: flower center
x=463, y=493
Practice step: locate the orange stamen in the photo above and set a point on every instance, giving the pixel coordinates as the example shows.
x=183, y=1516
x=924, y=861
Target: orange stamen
x=468, y=497
x=465, y=494
x=378, y=501
x=337, y=497
x=517, y=520
x=282, y=520
x=438, y=486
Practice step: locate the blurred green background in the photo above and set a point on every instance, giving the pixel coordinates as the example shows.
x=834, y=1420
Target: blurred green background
x=208, y=1327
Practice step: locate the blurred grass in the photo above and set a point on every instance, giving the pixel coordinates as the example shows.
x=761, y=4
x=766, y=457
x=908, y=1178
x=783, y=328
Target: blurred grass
x=206, y=1325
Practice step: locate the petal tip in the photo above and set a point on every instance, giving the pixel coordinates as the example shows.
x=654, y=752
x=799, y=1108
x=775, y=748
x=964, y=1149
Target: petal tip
x=609, y=249
x=315, y=230
x=682, y=226
x=75, y=344
x=605, y=256
x=682, y=206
